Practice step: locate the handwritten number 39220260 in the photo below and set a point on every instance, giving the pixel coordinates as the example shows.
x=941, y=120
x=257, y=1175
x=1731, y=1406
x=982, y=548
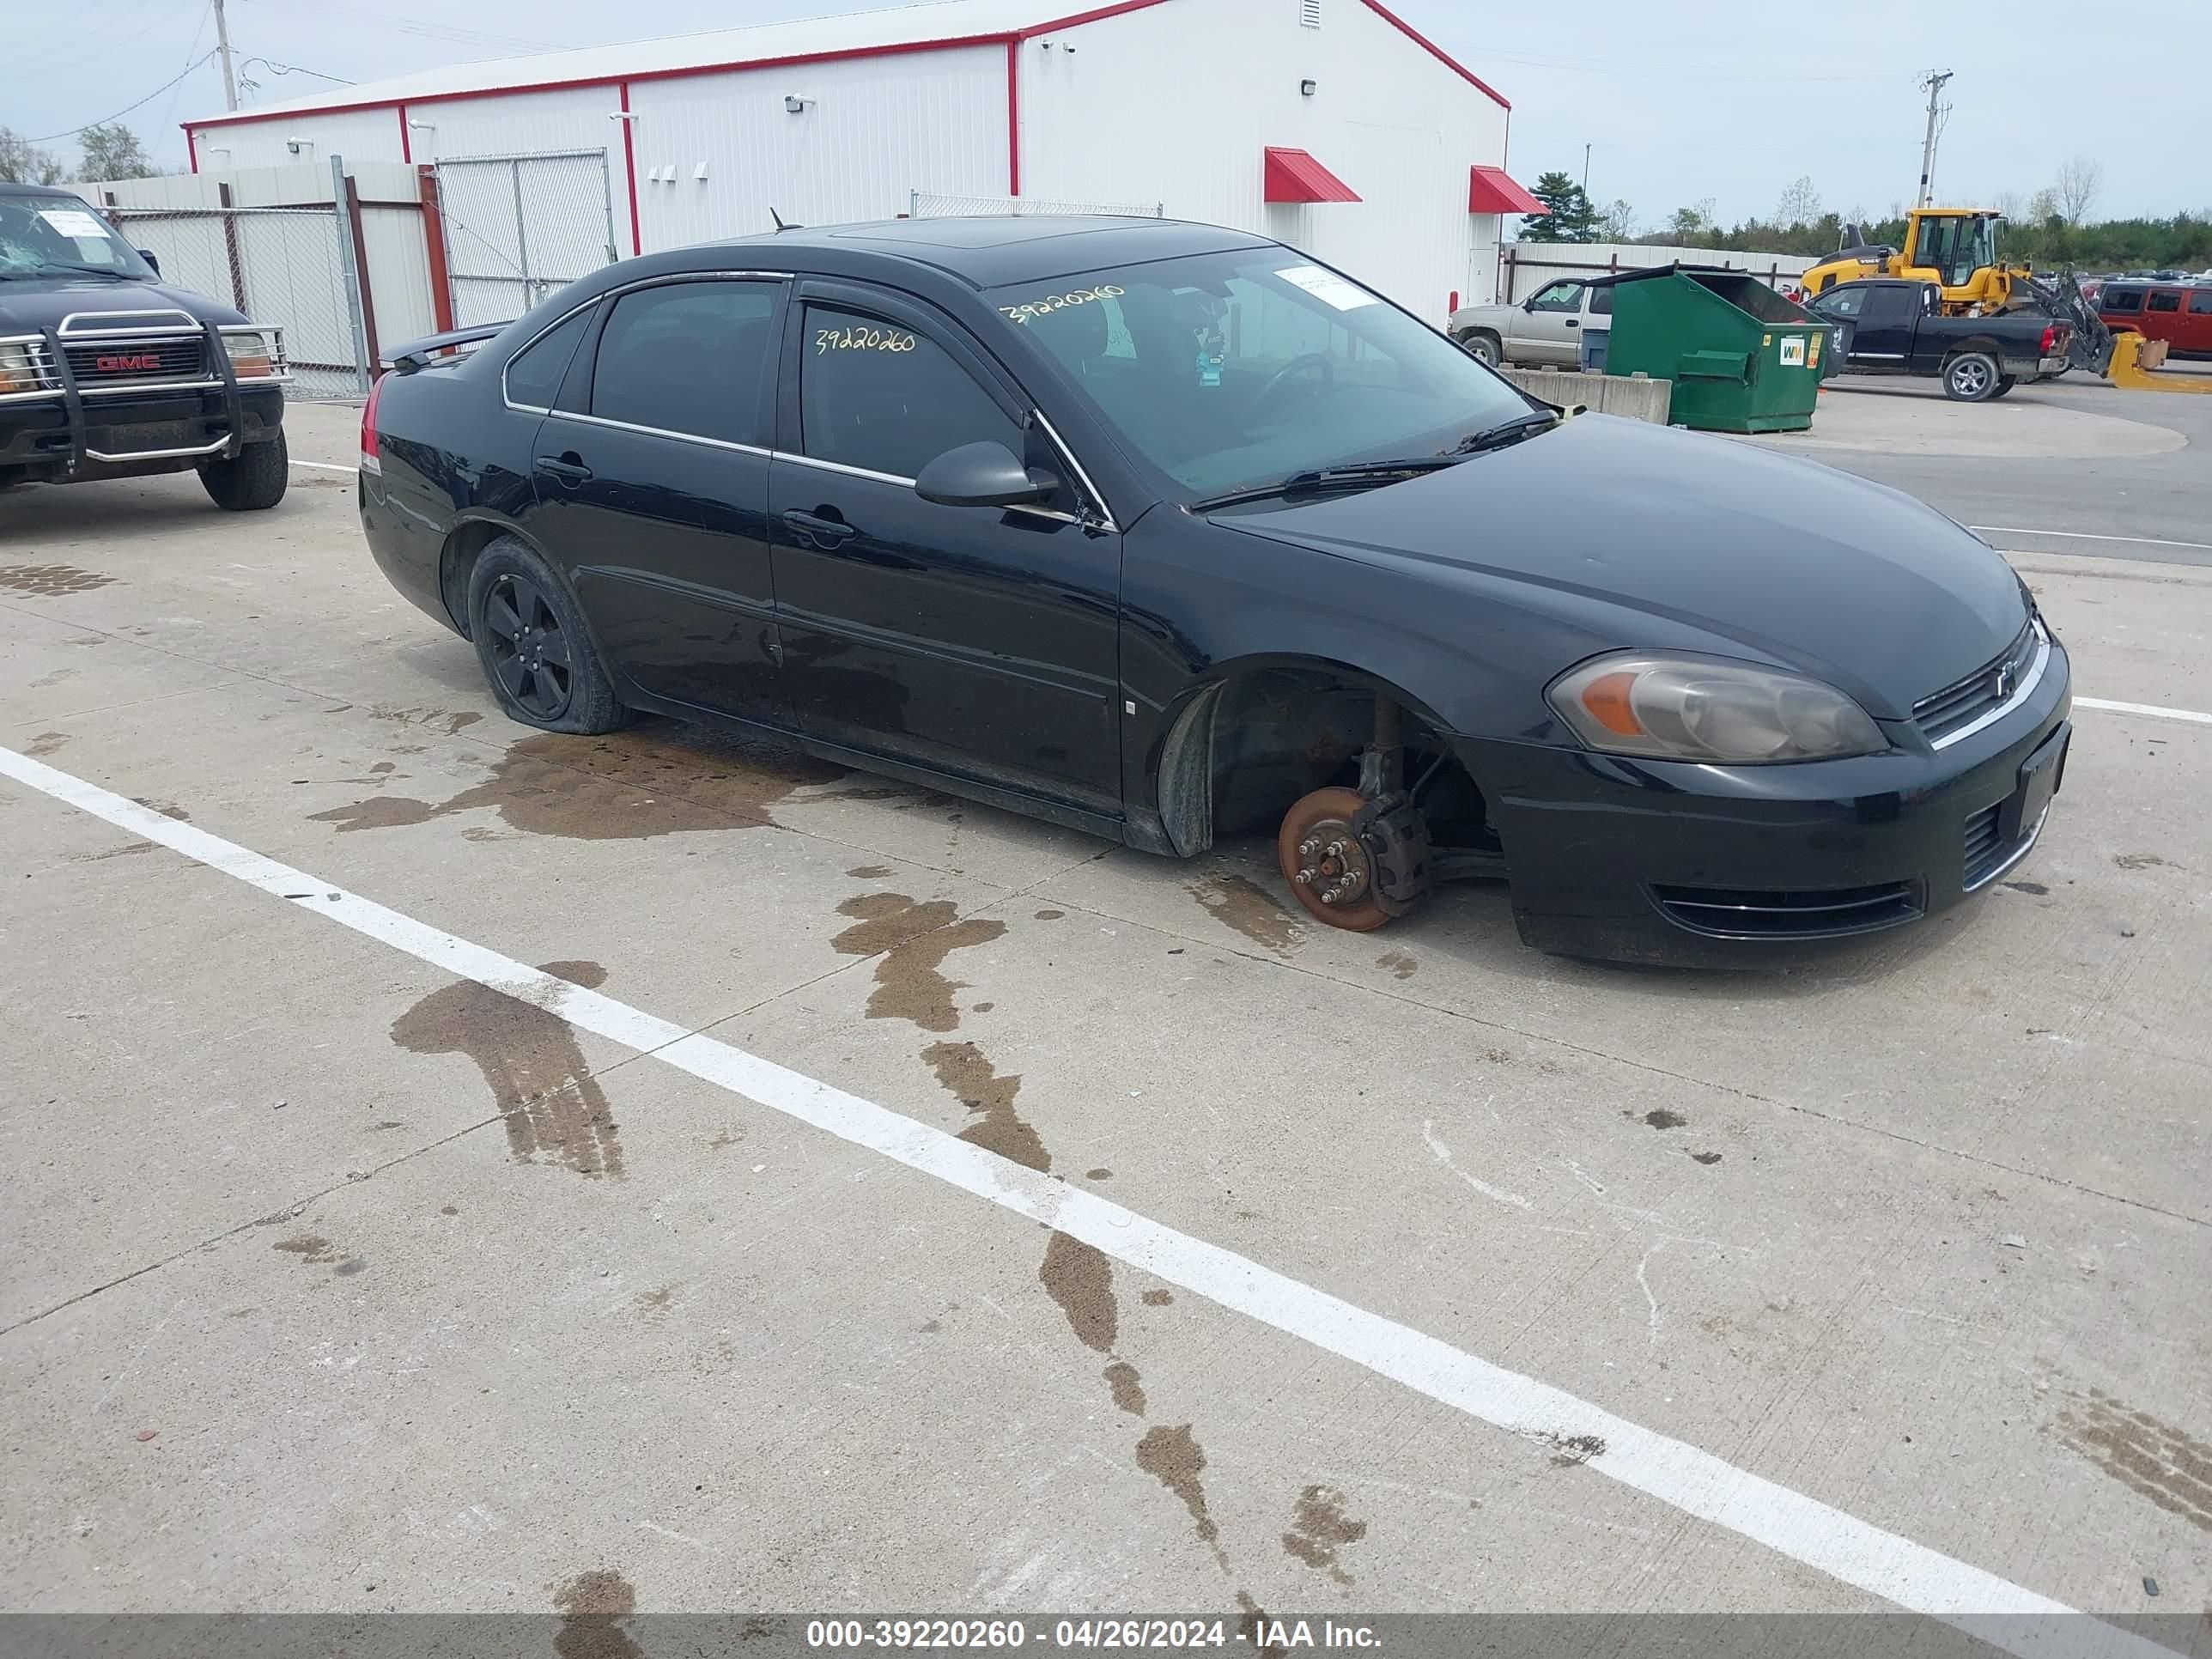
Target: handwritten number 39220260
x=862, y=338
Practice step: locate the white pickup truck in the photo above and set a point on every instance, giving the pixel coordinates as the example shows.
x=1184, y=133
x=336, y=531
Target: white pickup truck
x=1543, y=332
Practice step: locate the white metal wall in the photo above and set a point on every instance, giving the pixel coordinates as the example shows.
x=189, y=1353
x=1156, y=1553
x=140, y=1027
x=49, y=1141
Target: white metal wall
x=363, y=135
x=1176, y=102
x=872, y=130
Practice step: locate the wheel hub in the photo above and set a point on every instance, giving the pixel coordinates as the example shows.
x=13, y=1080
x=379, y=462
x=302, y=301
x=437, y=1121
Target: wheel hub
x=1332, y=864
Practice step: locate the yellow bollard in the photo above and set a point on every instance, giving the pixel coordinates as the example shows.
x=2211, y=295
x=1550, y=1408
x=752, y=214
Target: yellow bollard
x=2127, y=369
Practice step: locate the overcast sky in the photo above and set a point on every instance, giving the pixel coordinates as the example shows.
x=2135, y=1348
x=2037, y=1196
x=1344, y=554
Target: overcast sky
x=1672, y=112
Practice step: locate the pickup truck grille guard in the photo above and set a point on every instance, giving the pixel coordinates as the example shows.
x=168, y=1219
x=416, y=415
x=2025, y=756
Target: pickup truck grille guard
x=46, y=359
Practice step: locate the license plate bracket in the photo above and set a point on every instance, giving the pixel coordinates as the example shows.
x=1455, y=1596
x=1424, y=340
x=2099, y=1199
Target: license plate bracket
x=2040, y=775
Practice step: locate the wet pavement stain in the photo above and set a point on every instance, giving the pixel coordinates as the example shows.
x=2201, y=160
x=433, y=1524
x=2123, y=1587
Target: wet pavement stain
x=1320, y=1527
x=1175, y=1459
x=870, y=872
x=654, y=1303
x=591, y=1606
x=124, y=851
x=456, y=723
x=1704, y=1158
x=914, y=940
x=1080, y=1277
x=1662, y=1119
x=1249, y=908
x=962, y=1067
x=50, y=581
x=2035, y=887
x=167, y=809
x=46, y=742
x=1129, y=1387
x=1050, y=915
x=2153, y=1459
x=628, y=786
x=1567, y=1451
x=308, y=1247
x=1158, y=1299
x=554, y=1109
x=1399, y=963
x=2136, y=861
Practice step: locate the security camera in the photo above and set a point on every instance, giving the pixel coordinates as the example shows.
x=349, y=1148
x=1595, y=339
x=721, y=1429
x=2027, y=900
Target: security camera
x=296, y=145
x=796, y=106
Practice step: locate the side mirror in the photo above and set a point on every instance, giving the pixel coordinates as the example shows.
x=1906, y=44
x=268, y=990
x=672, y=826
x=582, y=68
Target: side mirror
x=984, y=474
x=147, y=254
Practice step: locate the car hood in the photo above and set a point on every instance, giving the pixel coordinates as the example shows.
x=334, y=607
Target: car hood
x=27, y=307
x=1642, y=537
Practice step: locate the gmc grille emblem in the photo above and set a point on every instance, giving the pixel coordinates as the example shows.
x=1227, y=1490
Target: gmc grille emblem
x=2000, y=682
x=144, y=360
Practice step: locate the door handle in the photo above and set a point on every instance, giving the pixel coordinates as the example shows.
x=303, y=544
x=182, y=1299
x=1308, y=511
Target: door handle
x=1574, y=322
x=566, y=469
x=825, y=533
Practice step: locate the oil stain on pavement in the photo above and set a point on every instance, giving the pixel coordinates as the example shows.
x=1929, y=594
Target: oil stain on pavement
x=591, y=1606
x=1174, y=1458
x=914, y=940
x=627, y=786
x=1249, y=908
x=962, y=1067
x=554, y=1109
x=2153, y=1459
x=1320, y=1527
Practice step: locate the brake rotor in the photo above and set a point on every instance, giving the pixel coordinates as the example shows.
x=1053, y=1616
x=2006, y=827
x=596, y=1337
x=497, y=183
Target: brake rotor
x=1321, y=857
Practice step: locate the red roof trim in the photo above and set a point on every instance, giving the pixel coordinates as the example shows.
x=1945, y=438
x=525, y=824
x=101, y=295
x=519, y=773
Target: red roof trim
x=629, y=171
x=952, y=43
x=1436, y=52
x=1292, y=175
x=1492, y=190
x=406, y=144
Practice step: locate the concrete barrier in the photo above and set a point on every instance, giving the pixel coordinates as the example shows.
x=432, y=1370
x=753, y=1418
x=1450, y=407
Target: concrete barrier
x=1633, y=396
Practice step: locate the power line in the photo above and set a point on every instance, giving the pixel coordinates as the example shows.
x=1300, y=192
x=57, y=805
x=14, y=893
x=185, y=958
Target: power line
x=127, y=108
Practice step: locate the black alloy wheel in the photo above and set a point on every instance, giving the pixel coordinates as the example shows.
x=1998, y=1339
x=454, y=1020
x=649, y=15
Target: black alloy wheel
x=529, y=652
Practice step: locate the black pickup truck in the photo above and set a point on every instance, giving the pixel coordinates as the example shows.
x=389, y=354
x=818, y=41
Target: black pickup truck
x=105, y=372
x=1891, y=327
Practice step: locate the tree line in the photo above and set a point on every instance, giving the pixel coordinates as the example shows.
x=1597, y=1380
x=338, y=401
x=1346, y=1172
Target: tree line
x=111, y=150
x=2053, y=227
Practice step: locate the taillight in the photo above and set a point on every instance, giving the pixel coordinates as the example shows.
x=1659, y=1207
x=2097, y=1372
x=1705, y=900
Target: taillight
x=2050, y=338
x=369, y=463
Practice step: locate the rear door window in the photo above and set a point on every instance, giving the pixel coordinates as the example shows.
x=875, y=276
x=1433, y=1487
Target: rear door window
x=2163, y=299
x=882, y=398
x=689, y=358
x=1890, y=303
x=1601, y=300
x=534, y=377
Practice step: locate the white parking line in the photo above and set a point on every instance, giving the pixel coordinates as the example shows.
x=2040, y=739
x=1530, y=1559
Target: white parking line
x=325, y=466
x=2083, y=536
x=2150, y=708
x=1855, y=1551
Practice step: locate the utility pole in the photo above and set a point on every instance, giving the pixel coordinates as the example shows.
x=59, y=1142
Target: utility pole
x=1933, y=81
x=1586, y=150
x=222, y=47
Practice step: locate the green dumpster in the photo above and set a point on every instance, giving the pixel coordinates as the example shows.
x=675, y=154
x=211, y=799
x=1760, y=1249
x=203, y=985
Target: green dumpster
x=1742, y=357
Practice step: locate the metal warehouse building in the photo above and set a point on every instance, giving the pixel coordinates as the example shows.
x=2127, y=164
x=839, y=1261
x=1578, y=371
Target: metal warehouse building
x=1328, y=123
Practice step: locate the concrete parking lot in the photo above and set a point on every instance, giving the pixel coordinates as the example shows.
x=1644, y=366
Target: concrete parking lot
x=858, y=1197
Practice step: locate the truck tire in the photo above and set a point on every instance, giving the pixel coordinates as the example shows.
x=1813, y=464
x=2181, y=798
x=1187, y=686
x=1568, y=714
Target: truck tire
x=534, y=648
x=1972, y=377
x=1483, y=344
x=2003, y=385
x=254, y=480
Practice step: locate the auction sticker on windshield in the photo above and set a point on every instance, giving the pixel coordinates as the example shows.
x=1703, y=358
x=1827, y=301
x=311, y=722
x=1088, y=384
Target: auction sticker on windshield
x=1327, y=287
x=74, y=222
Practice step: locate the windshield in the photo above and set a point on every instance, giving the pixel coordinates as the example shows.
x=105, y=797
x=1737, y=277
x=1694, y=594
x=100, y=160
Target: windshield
x=61, y=236
x=1232, y=370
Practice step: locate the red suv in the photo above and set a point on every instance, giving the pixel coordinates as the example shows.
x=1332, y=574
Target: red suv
x=2180, y=313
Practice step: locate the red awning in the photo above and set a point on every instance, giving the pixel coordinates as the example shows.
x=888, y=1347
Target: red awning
x=1490, y=191
x=1292, y=175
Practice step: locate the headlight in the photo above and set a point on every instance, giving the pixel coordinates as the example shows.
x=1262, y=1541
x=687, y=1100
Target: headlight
x=1700, y=709
x=16, y=372
x=250, y=356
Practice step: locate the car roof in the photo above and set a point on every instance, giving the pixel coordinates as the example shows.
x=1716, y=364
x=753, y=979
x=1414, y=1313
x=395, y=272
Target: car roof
x=991, y=252
x=42, y=191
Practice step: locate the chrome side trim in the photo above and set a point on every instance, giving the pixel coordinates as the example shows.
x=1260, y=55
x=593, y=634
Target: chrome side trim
x=2028, y=682
x=1105, y=521
x=839, y=467
x=647, y=431
x=222, y=442
x=2027, y=846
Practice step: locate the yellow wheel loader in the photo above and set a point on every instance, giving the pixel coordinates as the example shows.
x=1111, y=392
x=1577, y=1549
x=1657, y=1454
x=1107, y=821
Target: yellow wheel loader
x=1954, y=248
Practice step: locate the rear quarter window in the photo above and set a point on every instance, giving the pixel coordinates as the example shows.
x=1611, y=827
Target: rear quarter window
x=2200, y=303
x=534, y=377
x=2164, y=300
x=2121, y=299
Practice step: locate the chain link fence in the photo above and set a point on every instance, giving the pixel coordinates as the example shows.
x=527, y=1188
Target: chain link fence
x=935, y=204
x=517, y=227
x=287, y=266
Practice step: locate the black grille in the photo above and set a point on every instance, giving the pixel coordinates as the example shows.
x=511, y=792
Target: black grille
x=1986, y=850
x=123, y=362
x=1741, y=913
x=1967, y=701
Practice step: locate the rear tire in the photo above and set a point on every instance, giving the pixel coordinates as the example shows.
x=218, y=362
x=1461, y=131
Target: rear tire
x=1972, y=377
x=2004, y=386
x=255, y=478
x=533, y=646
x=1483, y=346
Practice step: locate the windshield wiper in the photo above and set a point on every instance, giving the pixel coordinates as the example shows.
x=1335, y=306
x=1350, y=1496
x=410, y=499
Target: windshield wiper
x=52, y=270
x=1350, y=475
x=1510, y=431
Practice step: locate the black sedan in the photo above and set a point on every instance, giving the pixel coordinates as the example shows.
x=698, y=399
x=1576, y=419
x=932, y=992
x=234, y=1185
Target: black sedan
x=1167, y=532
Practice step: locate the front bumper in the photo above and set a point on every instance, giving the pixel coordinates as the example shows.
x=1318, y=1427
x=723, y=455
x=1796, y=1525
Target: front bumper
x=1744, y=867
x=120, y=438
